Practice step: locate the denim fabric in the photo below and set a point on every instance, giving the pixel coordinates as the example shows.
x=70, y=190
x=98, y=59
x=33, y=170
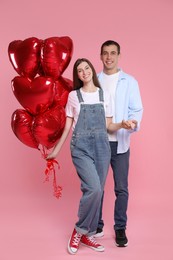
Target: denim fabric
x=91, y=153
x=120, y=167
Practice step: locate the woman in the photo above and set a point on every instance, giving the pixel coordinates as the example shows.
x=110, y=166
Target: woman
x=85, y=110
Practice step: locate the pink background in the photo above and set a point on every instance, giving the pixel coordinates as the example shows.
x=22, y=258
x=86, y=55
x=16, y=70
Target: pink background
x=33, y=223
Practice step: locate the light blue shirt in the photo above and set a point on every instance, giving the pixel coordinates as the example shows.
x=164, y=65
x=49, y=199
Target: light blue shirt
x=128, y=105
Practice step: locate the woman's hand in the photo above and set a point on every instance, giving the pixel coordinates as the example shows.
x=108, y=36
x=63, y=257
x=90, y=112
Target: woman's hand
x=57, y=148
x=52, y=155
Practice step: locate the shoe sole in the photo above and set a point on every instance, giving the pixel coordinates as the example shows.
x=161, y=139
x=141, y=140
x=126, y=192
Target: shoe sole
x=95, y=249
x=69, y=248
x=99, y=234
x=123, y=245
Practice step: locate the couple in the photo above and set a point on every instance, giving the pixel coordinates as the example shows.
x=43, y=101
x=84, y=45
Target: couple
x=103, y=110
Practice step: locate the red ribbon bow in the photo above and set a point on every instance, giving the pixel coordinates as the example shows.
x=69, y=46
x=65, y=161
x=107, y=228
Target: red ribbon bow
x=50, y=168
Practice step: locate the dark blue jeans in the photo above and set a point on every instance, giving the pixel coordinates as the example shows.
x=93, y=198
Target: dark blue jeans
x=120, y=168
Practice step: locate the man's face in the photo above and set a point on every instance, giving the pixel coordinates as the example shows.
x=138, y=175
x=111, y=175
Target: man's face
x=110, y=58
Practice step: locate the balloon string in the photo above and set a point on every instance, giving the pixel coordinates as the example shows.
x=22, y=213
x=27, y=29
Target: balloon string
x=50, y=168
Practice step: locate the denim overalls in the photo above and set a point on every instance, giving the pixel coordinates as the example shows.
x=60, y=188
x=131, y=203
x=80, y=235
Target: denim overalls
x=91, y=154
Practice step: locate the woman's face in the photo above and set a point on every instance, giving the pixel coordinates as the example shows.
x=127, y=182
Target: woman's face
x=84, y=72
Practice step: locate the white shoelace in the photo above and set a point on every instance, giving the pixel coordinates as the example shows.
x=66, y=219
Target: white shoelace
x=92, y=240
x=76, y=239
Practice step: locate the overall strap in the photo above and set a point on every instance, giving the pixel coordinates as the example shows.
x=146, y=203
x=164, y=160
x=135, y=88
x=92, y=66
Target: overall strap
x=101, y=95
x=79, y=95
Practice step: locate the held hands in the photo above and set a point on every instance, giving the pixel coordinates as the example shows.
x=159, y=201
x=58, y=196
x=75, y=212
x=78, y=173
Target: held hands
x=112, y=127
x=129, y=124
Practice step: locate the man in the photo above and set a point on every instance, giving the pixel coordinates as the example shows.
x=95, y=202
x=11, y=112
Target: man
x=126, y=105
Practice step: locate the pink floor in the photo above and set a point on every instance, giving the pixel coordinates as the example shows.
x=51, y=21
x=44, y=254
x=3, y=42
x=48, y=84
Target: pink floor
x=39, y=229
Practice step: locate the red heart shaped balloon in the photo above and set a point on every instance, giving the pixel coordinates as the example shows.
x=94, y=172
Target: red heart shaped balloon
x=25, y=56
x=56, y=54
x=36, y=95
x=21, y=123
x=48, y=127
x=62, y=87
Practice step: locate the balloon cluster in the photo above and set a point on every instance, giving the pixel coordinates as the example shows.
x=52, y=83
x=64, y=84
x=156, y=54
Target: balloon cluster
x=40, y=88
x=42, y=91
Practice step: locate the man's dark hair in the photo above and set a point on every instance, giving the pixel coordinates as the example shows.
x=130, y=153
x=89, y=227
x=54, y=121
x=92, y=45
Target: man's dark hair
x=110, y=42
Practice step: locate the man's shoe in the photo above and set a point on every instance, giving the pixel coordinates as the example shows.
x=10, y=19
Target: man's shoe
x=121, y=239
x=99, y=233
x=91, y=243
x=74, y=241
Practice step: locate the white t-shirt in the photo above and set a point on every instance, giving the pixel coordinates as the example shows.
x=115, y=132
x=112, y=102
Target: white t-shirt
x=73, y=105
x=109, y=84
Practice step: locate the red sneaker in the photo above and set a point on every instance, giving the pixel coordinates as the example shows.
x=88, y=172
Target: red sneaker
x=91, y=242
x=74, y=241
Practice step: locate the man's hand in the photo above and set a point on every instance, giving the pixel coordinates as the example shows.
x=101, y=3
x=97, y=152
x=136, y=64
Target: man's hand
x=129, y=124
x=133, y=124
